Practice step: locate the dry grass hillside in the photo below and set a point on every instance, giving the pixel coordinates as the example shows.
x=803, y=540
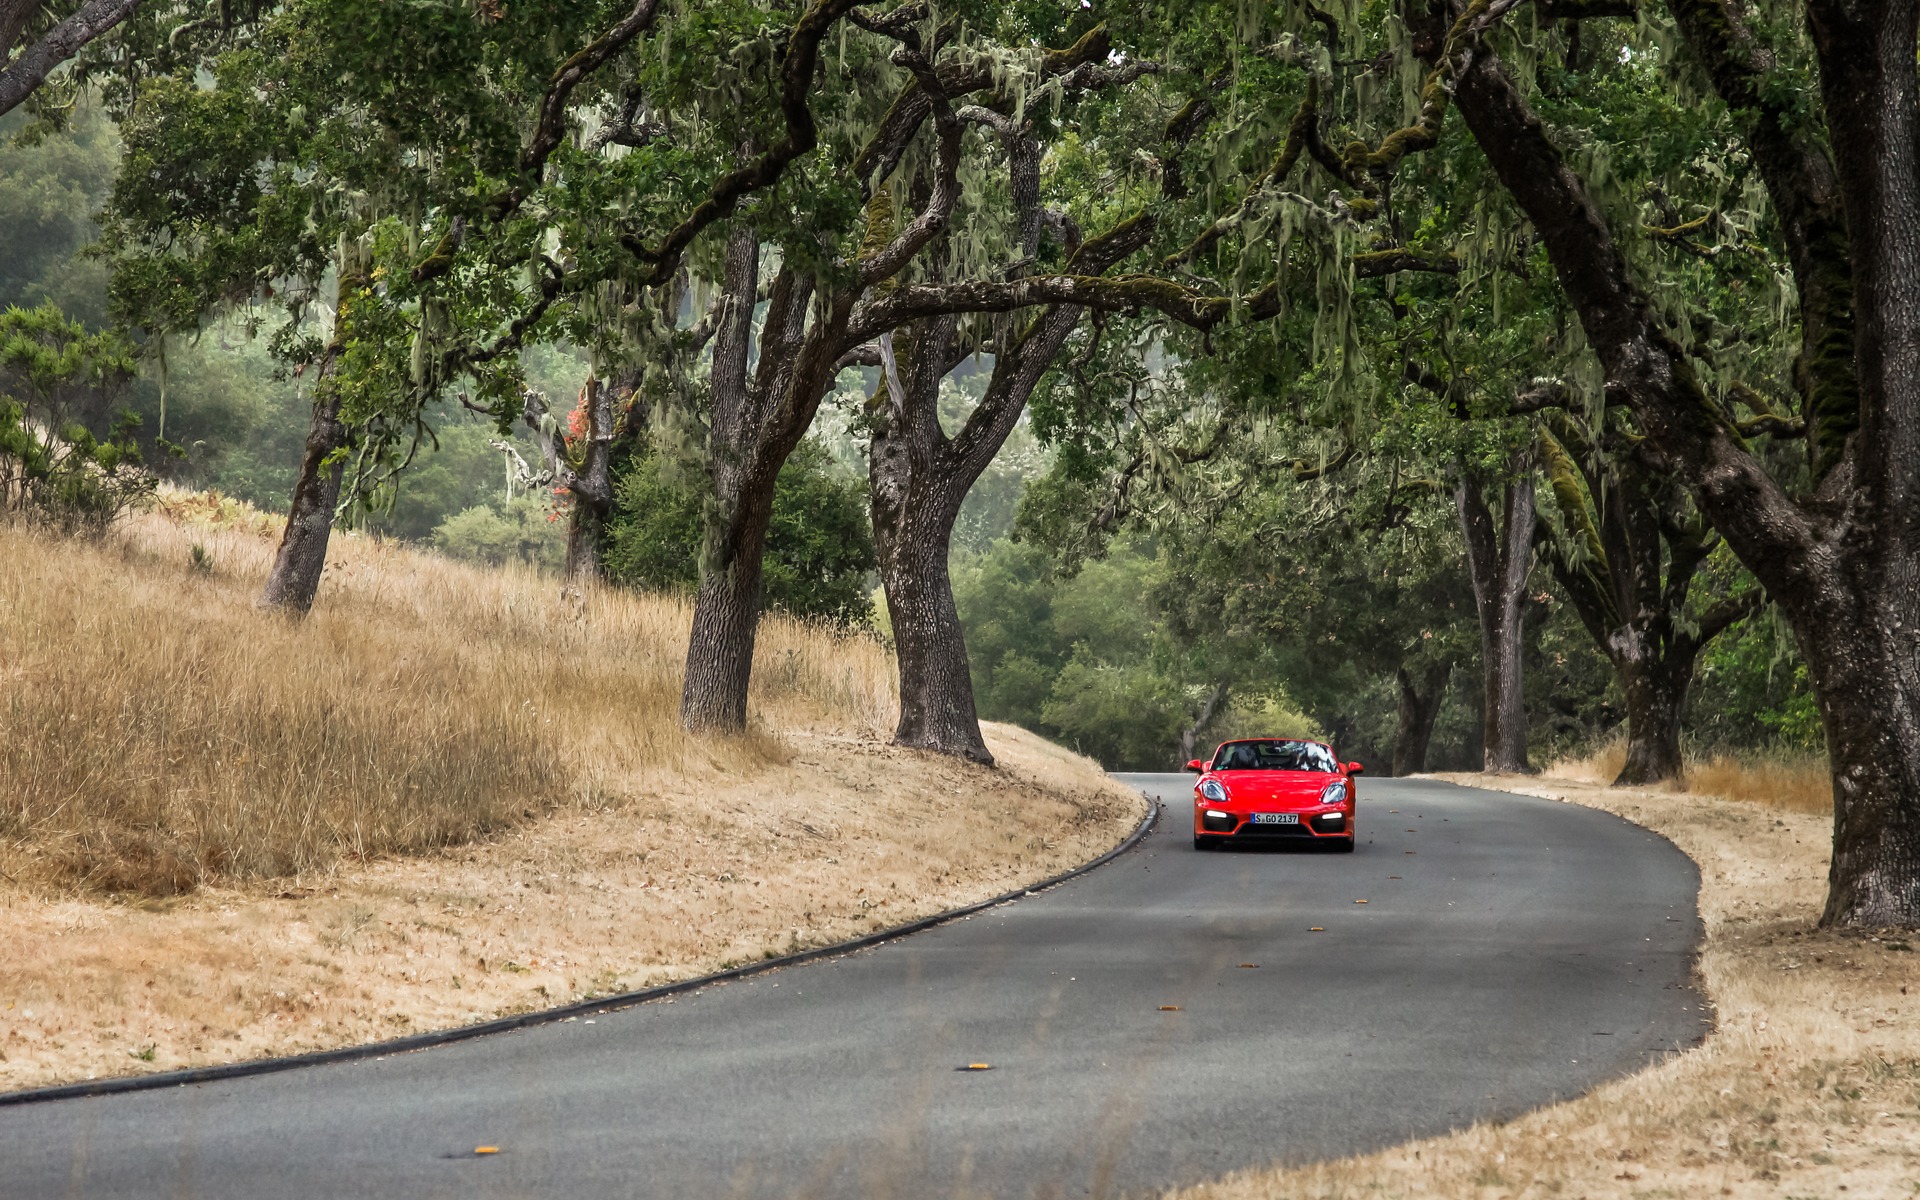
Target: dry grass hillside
x=446, y=795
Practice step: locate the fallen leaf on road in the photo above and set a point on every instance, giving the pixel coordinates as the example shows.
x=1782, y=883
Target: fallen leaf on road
x=977, y=1067
x=1249, y=964
x=1359, y=901
x=1169, y=1008
x=1317, y=929
x=486, y=1149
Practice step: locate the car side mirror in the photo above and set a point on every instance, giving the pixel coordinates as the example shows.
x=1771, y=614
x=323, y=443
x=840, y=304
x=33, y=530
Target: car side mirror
x=1356, y=769
x=1195, y=764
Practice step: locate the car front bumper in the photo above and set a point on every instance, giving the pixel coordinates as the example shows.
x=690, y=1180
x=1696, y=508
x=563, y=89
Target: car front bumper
x=1324, y=824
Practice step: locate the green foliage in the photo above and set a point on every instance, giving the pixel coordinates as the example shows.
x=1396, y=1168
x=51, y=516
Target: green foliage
x=1124, y=715
x=820, y=554
x=1092, y=659
x=50, y=188
x=1753, y=692
x=56, y=381
x=520, y=530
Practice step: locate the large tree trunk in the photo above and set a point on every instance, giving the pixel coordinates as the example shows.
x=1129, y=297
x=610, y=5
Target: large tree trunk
x=295, y=577
x=726, y=609
x=1867, y=681
x=918, y=477
x=1656, y=695
x=726, y=617
x=1845, y=566
x=1865, y=665
x=1498, y=562
x=591, y=490
x=1419, y=707
x=936, y=682
x=754, y=426
x=914, y=489
x=1626, y=552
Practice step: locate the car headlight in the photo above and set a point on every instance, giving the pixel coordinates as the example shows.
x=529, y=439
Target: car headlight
x=1335, y=793
x=1213, y=790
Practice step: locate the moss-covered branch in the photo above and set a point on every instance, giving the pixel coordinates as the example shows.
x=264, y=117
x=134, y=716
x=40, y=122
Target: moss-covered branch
x=1582, y=554
x=1436, y=93
x=1376, y=263
x=1304, y=118
x=1121, y=293
x=1675, y=232
x=1581, y=10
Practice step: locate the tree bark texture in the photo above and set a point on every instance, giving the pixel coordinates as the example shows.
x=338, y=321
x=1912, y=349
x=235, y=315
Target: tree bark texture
x=295, y=578
x=936, y=682
x=1420, y=699
x=1656, y=695
x=915, y=489
x=1499, y=559
x=590, y=487
x=1843, y=564
x=726, y=610
x=24, y=75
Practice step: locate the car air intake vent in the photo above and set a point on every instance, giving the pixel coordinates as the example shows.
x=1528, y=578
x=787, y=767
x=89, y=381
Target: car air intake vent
x=1250, y=830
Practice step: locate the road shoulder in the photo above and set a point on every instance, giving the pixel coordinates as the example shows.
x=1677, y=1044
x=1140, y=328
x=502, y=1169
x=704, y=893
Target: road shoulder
x=849, y=837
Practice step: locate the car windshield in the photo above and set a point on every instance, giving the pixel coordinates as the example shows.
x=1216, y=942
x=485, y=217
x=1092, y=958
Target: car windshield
x=1274, y=756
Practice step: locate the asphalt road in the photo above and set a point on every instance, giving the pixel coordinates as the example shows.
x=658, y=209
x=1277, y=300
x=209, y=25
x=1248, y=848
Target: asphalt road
x=1512, y=951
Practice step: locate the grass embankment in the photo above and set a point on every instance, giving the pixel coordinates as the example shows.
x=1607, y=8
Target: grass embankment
x=445, y=796
x=1809, y=1085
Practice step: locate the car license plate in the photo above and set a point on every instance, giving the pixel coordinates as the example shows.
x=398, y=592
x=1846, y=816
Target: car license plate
x=1276, y=818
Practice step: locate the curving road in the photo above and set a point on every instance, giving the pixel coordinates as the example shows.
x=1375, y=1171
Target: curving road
x=1511, y=951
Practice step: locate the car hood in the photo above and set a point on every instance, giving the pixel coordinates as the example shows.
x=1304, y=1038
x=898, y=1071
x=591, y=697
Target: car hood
x=1263, y=787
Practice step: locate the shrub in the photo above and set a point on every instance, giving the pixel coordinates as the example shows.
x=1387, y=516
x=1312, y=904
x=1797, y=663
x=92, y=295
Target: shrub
x=519, y=532
x=54, y=377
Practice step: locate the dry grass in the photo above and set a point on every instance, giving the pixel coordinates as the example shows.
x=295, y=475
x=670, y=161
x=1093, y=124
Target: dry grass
x=566, y=840
x=159, y=732
x=1809, y=1085
x=1776, y=779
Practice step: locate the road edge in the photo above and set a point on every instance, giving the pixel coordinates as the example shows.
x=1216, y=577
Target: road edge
x=1696, y=975
x=547, y=1016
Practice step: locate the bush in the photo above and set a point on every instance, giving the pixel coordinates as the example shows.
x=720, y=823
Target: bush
x=521, y=531
x=54, y=377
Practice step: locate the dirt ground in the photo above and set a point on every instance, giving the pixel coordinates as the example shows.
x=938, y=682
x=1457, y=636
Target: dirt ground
x=1808, y=1087
x=848, y=836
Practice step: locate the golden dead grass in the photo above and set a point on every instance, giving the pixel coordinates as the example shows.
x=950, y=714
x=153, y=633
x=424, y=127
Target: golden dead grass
x=1809, y=1085
x=158, y=731
x=1794, y=782
x=566, y=839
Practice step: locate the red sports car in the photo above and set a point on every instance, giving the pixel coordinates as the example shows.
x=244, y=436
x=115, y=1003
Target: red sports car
x=1266, y=789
